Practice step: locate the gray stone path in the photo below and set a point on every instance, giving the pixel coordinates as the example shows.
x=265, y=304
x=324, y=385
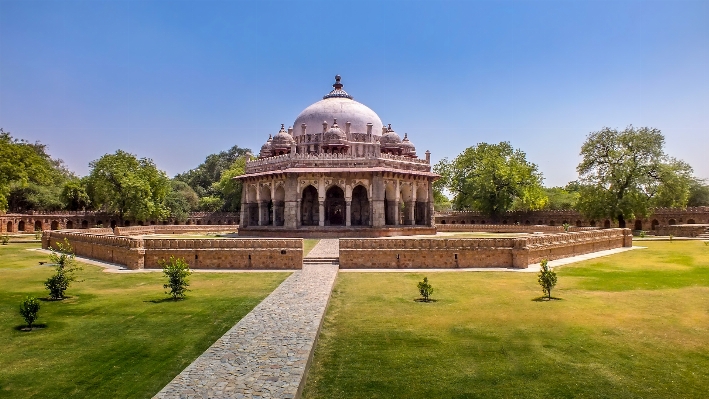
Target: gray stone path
x=267, y=353
x=325, y=248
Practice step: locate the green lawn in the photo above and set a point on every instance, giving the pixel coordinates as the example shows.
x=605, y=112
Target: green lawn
x=116, y=336
x=632, y=325
x=308, y=245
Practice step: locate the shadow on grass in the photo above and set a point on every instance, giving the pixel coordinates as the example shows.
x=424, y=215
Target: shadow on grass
x=424, y=300
x=47, y=299
x=23, y=327
x=547, y=299
x=165, y=300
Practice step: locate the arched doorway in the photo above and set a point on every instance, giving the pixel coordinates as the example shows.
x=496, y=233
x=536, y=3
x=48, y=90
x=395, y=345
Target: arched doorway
x=9, y=227
x=309, y=207
x=672, y=222
x=359, y=210
x=578, y=223
x=421, y=211
x=69, y=224
x=113, y=224
x=279, y=206
x=607, y=224
x=37, y=225
x=21, y=226
x=55, y=225
x=335, y=207
x=690, y=221
x=638, y=224
x=251, y=207
x=84, y=224
x=655, y=223
x=265, y=206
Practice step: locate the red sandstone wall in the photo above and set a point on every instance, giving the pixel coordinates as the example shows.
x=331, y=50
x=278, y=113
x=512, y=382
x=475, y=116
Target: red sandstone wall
x=172, y=229
x=475, y=252
x=138, y=253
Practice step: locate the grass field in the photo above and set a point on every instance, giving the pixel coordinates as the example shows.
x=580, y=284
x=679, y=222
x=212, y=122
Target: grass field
x=632, y=325
x=116, y=336
x=308, y=245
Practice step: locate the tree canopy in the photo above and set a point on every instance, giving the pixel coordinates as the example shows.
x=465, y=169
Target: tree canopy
x=491, y=178
x=29, y=177
x=213, y=180
x=128, y=186
x=623, y=173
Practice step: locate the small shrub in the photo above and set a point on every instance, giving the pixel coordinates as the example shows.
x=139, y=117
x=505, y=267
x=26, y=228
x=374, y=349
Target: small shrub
x=547, y=278
x=671, y=237
x=642, y=233
x=4, y=239
x=425, y=289
x=566, y=227
x=29, y=308
x=176, y=270
x=65, y=265
x=37, y=234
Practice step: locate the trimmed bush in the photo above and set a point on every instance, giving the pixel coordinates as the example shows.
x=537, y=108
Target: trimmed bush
x=547, y=278
x=29, y=308
x=176, y=270
x=425, y=289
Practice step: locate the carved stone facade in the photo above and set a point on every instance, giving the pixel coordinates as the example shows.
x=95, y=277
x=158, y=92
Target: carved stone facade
x=334, y=181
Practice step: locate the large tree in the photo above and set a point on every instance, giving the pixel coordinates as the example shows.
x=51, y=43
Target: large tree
x=128, y=186
x=25, y=168
x=624, y=173
x=491, y=178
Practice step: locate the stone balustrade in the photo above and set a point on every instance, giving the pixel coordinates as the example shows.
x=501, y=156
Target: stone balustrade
x=139, y=253
x=325, y=160
x=517, y=252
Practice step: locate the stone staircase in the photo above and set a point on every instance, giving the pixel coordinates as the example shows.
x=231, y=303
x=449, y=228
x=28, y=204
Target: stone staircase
x=327, y=251
x=705, y=235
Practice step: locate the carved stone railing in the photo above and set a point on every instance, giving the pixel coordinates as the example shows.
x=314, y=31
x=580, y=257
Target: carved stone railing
x=282, y=162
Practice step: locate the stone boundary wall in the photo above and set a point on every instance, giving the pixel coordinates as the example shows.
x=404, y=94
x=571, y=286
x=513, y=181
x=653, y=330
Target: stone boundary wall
x=138, y=253
x=683, y=230
x=337, y=232
x=171, y=229
x=476, y=252
x=507, y=228
x=230, y=253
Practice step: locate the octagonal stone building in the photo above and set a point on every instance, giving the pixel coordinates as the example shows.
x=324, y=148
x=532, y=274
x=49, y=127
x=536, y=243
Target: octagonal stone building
x=337, y=172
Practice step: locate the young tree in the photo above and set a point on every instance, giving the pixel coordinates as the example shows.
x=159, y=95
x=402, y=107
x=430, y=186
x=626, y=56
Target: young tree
x=425, y=289
x=128, y=186
x=29, y=309
x=491, y=178
x=64, y=262
x=546, y=278
x=622, y=173
x=176, y=270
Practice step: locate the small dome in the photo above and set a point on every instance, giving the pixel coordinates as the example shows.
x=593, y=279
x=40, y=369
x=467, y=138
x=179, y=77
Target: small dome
x=267, y=148
x=390, y=138
x=283, y=140
x=407, y=147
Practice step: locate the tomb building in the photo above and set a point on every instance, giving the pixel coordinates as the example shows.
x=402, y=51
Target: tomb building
x=337, y=171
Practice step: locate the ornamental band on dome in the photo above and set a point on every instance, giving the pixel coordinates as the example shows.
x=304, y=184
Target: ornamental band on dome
x=338, y=172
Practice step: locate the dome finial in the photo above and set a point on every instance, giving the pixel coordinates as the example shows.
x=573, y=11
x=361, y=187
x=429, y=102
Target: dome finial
x=338, y=92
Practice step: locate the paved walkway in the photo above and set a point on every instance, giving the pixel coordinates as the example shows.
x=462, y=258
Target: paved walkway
x=267, y=353
x=325, y=248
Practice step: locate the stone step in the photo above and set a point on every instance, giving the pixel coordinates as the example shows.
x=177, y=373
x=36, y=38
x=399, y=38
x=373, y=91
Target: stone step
x=321, y=260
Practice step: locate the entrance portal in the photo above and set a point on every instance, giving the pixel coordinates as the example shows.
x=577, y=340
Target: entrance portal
x=335, y=207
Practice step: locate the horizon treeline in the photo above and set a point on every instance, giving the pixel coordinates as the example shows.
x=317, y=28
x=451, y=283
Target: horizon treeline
x=491, y=178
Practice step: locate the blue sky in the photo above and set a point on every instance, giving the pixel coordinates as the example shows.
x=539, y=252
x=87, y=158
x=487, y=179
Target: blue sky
x=175, y=81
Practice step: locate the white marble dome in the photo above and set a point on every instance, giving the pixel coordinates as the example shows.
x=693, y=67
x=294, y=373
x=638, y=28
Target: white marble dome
x=338, y=105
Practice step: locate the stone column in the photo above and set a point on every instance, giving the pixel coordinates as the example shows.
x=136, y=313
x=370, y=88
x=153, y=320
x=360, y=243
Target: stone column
x=397, y=212
x=321, y=214
x=291, y=213
x=262, y=212
x=348, y=216
x=410, y=207
x=377, y=202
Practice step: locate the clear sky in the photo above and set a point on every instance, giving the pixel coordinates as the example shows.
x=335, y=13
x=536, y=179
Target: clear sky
x=177, y=80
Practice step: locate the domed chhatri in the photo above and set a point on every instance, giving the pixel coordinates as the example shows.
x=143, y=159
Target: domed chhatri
x=322, y=177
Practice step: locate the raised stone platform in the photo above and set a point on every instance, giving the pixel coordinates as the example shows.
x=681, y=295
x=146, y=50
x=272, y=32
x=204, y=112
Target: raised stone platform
x=335, y=232
x=267, y=353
